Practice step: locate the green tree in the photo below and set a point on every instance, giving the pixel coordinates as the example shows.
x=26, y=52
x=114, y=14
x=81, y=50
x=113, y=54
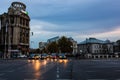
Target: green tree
x=37, y=50
x=53, y=47
x=65, y=45
x=44, y=50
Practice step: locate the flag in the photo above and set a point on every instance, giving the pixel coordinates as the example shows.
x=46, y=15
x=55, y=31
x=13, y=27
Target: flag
x=25, y=12
x=32, y=33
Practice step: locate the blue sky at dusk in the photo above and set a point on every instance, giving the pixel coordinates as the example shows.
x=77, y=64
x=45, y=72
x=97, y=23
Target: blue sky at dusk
x=79, y=19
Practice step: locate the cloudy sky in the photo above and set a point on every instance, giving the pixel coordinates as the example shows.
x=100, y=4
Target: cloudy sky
x=79, y=19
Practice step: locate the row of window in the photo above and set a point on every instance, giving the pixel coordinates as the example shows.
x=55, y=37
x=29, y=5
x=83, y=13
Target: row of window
x=23, y=22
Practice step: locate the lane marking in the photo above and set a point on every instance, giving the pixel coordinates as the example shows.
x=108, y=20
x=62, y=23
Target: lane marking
x=30, y=79
x=57, y=71
x=57, y=68
x=11, y=71
x=2, y=74
x=57, y=76
x=2, y=79
x=96, y=79
x=63, y=79
x=117, y=70
x=7, y=71
x=89, y=71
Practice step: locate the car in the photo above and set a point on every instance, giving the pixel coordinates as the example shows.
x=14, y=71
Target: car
x=53, y=56
x=22, y=56
x=34, y=56
x=62, y=56
x=44, y=56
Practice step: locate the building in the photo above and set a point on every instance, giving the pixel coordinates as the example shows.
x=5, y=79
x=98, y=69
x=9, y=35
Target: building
x=116, y=46
x=14, y=31
x=42, y=45
x=74, y=45
x=93, y=46
x=54, y=39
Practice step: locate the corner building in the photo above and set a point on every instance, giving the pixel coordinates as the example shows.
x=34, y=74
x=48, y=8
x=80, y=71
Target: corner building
x=14, y=31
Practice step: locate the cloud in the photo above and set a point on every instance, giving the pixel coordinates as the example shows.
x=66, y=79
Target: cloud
x=45, y=30
x=76, y=18
x=112, y=35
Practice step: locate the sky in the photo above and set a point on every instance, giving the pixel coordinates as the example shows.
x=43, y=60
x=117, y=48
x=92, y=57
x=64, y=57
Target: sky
x=79, y=19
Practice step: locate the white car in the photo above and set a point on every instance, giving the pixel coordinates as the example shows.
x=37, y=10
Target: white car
x=22, y=56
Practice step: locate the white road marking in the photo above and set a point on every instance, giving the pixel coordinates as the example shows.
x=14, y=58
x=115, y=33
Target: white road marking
x=2, y=79
x=96, y=79
x=57, y=68
x=19, y=68
x=11, y=71
x=63, y=79
x=2, y=74
x=57, y=71
x=30, y=79
x=7, y=71
x=117, y=70
x=89, y=71
x=57, y=76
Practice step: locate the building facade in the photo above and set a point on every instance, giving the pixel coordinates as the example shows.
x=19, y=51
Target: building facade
x=74, y=46
x=42, y=45
x=93, y=46
x=54, y=39
x=14, y=31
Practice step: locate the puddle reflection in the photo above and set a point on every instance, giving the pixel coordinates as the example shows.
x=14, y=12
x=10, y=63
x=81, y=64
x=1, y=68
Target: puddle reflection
x=36, y=65
x=64, y=61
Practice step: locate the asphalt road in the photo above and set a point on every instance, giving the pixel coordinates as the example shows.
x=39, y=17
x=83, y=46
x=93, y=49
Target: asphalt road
x=60, y=69
x=97, y=69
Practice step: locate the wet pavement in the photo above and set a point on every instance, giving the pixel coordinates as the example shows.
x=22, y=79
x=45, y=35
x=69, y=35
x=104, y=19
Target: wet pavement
x=68, y=69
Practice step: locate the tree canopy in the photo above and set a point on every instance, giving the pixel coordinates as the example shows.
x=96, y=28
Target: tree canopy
x=53, y=47
x=65, y=45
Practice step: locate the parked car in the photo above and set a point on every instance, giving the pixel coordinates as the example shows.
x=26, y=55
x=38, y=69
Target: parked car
x=62, y=56
x=22, y=56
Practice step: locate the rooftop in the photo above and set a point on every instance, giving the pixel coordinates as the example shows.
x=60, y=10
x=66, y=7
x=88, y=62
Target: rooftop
x=94, y=40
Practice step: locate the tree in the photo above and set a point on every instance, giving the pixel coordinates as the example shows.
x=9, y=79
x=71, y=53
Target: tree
x=53, y=47
x=37, y=50
x=65, y=45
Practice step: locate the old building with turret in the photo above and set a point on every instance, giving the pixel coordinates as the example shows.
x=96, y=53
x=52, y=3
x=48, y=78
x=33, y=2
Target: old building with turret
x=14, y=31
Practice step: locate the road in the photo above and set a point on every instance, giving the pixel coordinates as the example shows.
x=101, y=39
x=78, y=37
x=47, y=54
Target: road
x=60, y=69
